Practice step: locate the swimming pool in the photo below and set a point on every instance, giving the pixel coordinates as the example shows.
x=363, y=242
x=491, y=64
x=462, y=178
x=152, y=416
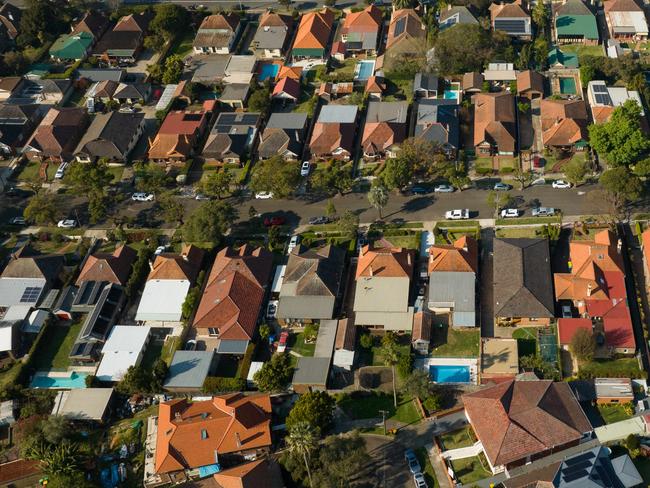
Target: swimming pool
x=449, y=373
x=451, y=95
x=364, y=69
x=568, y=86
x=67, y=381
x=268, y=71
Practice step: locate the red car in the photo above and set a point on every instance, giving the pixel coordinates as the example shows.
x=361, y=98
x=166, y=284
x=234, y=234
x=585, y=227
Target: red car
x=272, y=221
x=282, y=343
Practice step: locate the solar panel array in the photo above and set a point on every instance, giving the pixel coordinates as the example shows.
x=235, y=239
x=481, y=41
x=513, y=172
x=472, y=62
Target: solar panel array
x=602, y=98
x=597, y=88
x=514, y=26
x=31, y=294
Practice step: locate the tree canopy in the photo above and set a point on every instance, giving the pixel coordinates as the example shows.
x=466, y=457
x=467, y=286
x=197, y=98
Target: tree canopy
x=209, y=222
x=583, y=345
x=277, y=176
x=275, y=374
x=314, y=407
x=619, y=187
x=43, y=208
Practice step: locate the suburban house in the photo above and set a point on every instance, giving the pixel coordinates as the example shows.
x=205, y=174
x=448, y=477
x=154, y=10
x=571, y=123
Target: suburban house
x=437, y=122
x=286, y=90
x=564, y=124
x=495, y=124
x=375, y=87
x=452, y=281
x=312, y=284
x=313, y=35
x=523, y=289
x=530, y=84
x=93, y=23
x=595, y=286
x=217, y=34
x=57, y=135
x=284, y=136
x=626, y=20
x=385, y=129
x=10, y=86
x=406, y=34
x=455, y=14
x=170, y=279
x=604, y=99
x=178, y=136
x=28, y=277
x=72, y=47
x=112, y=136
x=107, y=267
x=235, y=95
x=233, y=136
x=311, y=374
x=359, y=33
x=43, y=91
x=593, y=468
x=511, y=18
x=272, y=35
x=85, y=405
x=333, y=135
x=473, y=82
x=10, y=16
x=383, y=281
x=425, y=85
x=233, y=296
x=344, y=344
x=518, y=421
x=263, y=472
x=124, y=42
x=574, y=22
x=17, y=123
x=204, y=434
x=294, y=72
x=107, y=90
x=124, y=347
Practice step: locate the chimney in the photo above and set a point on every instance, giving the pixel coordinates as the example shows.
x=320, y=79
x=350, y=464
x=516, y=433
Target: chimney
x=408, y=258
x=619, y=246
x=370, y=269
x=184, y=256
x=238, y=440
x=151, y=264
x=589, y=289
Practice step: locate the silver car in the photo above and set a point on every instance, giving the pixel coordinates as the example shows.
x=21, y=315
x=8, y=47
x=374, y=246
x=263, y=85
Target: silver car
x=543, y=212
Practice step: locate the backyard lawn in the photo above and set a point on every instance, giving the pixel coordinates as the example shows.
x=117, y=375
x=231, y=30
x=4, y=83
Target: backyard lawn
x=450, y=342
x=367, y=406
x=470, y=470
x=614, y=368
x=377, y=359
x=458, y=438
x=183, y=45
x=427, y=469
x=615, y=412
x=55, y=346
x=298, y=345
x=582, y=50
x=526, y=340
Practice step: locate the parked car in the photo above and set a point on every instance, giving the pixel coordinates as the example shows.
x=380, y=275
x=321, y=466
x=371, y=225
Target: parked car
x=502, y=187
x=272, y=309
x=67, y=224
x=457, y=214
x=142, y=197
x=201, y=196
x=419, y=190
x=277, y=220
x=361, y=241
x=263, y=195
x=561, y=184
x=412, y=460
x=282, y=343
x=318, y=220
x=17, y=221
x=444, y=189
x=160, y=250
x=543, y=212
x=566, y=312
x=293, y=242
x=419, y=481
x=60, y=172
x=126, y=110
x=190, y=345
x=508, y=213
x=304, y=169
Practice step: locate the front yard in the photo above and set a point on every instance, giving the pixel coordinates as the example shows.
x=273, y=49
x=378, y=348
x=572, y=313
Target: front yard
x=616, y=412
x=450, y=342
x=458, y=438
x=472, y=469
x=29, y=171
x=367, y=405
x=427, y=469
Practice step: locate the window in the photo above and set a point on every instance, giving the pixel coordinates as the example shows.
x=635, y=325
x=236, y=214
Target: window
x=204, y=434
x=213, y=332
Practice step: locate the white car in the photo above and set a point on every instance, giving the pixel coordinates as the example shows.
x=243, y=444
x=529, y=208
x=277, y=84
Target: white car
x=272, y=309
x=419, y=481
x=160, y=249
x=67, y=224
x=304, y=169
x=508, y=213
x=263, y=195
x=293, y=242
x=444, y=189
x=457, y=214
x=18, y=221
x=60, y=172
x=142, y=197
x=561, y=184
x=201, y=196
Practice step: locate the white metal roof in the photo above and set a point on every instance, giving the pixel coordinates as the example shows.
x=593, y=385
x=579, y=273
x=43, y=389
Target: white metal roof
x=13, y=289
x=343, y=114
x=122, y=349
x=6, y=336
x=162, y=300
x=278, y=278
x=254, y=368
x=628, y=22
x=166, y=97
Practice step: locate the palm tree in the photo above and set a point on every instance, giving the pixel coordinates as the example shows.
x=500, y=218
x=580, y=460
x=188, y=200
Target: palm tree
x=390, y=353
x=378, y=197
x=302, y=440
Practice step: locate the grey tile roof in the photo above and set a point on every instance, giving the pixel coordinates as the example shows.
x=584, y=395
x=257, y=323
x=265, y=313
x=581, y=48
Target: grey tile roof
x=280, y=120
x=437, y=121
x=311, y=371
x=109, y=135
x=96, y=75
x=425, y=81
x=338, y=114
x=394, y=112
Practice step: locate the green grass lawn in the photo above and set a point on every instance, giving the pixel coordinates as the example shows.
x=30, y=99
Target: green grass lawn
x=153, y=351
x=526, y=340
x=515, y=232
x=458, y=438
x=377, y=357
x=297, y=344
x=54, y=348
x=169, y=348
x=465, y=224
x=29, y=171
x=614, y=368
x=183, y=45
x=450, y=342
x=367, y=406
x=470, y=470
x=530, y=221
x=116, y=172
x=427, y=468
x=614, y=412
x=582, y=50
x=410, y=242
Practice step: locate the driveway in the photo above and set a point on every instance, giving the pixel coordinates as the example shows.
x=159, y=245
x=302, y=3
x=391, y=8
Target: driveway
x=486, y=284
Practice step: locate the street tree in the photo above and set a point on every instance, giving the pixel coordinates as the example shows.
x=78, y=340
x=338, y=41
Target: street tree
x=330, y=209
x=334, y=178
x=619, y=187
x=301, y=441
x=277, y=176
x=275, y=375
x=378, y=196
x=171, y=20
x=216, y=184
x=151, y=178
x=524, y=178
x=209, y=222
x=498, y=200
x=172, y=208
x=314, y=407
x=583, y=345
x=43, y=208
x=339, y=459
x=397, y=173
x=348, y=224
x=390, y=356
x=576, y=170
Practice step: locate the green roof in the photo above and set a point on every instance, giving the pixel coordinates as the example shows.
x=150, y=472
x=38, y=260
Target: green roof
x=577, y=26
x=72, y=46
x=568, y=60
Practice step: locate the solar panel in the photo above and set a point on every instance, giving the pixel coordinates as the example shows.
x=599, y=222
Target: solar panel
x=597, y=88
x=602, y=99
x=583, y=457
x=400, y=26
x=513, y=26
x=575, y=475
x=31, y=294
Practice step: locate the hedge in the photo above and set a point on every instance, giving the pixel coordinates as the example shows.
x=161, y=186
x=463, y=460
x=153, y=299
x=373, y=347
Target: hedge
x=66, y=74
x=219, y=384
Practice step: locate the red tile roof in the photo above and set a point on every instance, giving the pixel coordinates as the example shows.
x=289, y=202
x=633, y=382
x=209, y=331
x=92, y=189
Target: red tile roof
x=314, y=30
x=190, y=435
x=367, y=20
x=391, y=262
x=288, y=86
x=256, y=474
x=183, y=266
x=181, y=122
x=517, y=419
x=566, y=328
x=111, y=267
x=461, y=256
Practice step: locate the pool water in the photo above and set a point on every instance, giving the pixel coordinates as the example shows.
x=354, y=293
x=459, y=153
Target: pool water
x=449, y=374
x=364, y=70
x=268, y=71
x=568, y=86
x=73, y=381
x=451, y=95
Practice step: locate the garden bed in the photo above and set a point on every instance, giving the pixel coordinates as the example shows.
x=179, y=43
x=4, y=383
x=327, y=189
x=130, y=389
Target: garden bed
x=615, y=412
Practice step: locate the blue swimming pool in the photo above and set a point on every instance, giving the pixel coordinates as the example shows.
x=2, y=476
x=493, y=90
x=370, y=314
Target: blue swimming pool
x=449, y=374
x=73, y=381
x=268, y=71
x=451, y=95
x=364, y=70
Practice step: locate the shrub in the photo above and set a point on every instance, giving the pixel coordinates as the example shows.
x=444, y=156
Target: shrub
x=219, y=384
x=367, y=341
x=405, y=365
x=484, y=171
x=507, y=170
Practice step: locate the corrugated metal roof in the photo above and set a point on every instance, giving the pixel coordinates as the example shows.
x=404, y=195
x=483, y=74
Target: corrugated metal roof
x=454, y=287
x=189, y=369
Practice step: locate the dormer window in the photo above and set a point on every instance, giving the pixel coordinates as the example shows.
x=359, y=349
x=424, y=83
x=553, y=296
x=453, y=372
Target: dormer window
x=204, y=434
